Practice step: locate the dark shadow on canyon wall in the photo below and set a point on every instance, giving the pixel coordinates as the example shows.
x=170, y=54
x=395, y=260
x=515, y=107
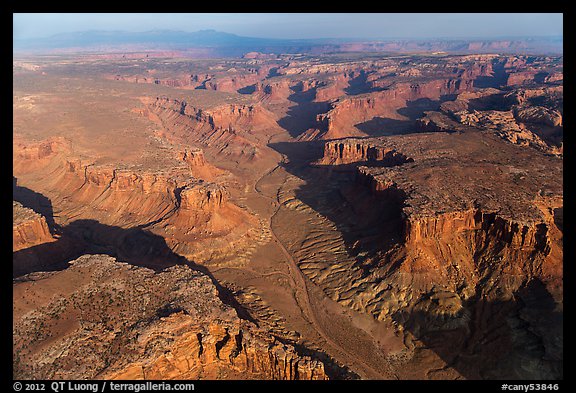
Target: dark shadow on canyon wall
x=519, y=339
x=300, y=95
x=540, y=77
x=493, y=102
x=302, y=115
x=498, y=78
x=416, y=108
x=247, y=89
x=35, y=201
x=136, y=246
x=368, y=221
x=359, y=85
x=559, y=218
x=382, y=126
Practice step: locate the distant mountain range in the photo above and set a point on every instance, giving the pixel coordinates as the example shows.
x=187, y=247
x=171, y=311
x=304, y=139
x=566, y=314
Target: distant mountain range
x=225, y=44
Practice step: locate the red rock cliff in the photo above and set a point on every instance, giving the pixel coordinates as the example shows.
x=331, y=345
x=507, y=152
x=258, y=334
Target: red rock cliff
x=231, y=129
x=180, y=329
x=29, y=228
x=341, y=121
x=351, y=151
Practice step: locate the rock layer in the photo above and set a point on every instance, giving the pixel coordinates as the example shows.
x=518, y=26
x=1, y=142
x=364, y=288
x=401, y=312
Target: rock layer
x=179, y=329
x=29, y=228
x=351, y=151
x=346, y=113
x=448, y=248
x=189, y=212
x=228, y=129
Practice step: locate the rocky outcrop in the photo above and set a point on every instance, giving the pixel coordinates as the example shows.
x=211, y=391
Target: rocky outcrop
x=334, y=88
x=189, y=212
x=193, y=157
x=242, y=117
x=28, y=228
x=273, y=91
x=234, y=83
x=433, y=121
x=505, y=126
x=465, y=228
x=126, y=196
x=513, y=116
x=551, y=96
x=31, y=156
x=197, y=164
x=524, y=246
x=532, y=70
x=229, y=82
x=179, y=328
x=554, y=77
x=520, y=77
x=461, y=233
x=220, y=350
x=346, y=113
x=351, y=151
x=187, y=81
x=205, y=197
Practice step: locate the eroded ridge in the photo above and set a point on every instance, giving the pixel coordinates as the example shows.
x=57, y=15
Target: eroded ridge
x=29, y=228
x=188, y=211
x=171, y=325
x=446, y=252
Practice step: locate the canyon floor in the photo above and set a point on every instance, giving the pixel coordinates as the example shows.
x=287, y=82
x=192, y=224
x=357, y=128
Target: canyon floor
x=288, y=217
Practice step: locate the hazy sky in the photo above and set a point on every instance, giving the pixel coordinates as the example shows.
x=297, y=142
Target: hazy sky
x=316, y=25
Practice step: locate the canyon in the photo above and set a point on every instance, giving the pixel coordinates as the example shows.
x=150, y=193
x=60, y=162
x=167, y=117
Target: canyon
x=288, y=216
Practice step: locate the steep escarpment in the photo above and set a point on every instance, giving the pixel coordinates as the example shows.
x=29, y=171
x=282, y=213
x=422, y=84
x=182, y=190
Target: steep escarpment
x=234, y=79
x=350, y=151
x=123, y=196
x=526, y=117
x=436, y=203
x=333, y=88
x=197, y=164
x=342, y=120
x=483, y=243
x=473, y=237
x=188, y=211
x=179, y=328
x=229, y=129
x=28, y=228
x=273, y=91
x=216, y=78
x=472, y=224
x=37, y=244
